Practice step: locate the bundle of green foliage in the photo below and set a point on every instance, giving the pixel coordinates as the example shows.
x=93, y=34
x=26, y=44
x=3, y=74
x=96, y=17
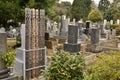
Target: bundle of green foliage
x=95, y=16
x=113, y=26
x=107, y=67
x=64, y=66
x=9, y=59
x=117, y=30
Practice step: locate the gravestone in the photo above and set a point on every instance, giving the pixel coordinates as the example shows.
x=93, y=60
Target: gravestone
x=81, y=36
x=94, y=36
x=94, y=45
x=102, y=33
x=3, y=49
x=87, y=30
x=31, y=58
x=64, y=27
x=118, y=21
x=74, y=21
x=72, y=46
x=113, y=33
x=111, y=22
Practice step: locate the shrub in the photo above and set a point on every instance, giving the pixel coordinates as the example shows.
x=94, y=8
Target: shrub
x=113, y=26
x=64, y=66
x=95, y=16
x=9, y=59
x=117, y=30
x=107, y=67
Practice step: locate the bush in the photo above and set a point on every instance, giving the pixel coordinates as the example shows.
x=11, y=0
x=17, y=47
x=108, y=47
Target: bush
x=95, y=16
x=9, y=59
x=113, y=26
x=64, y=66
x=117, y=30
x=107, y=67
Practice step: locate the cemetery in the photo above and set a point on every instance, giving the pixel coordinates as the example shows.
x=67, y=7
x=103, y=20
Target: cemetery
x=50, y=40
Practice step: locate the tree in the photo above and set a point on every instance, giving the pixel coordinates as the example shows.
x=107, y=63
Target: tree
x=113, y=12
x=14, y=9
x=103, y=6
x=9, y=10
x=95, y=16
x=80, y=9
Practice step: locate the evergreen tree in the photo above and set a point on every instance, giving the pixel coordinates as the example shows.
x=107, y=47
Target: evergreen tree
x=81, y=9
x=103, y=6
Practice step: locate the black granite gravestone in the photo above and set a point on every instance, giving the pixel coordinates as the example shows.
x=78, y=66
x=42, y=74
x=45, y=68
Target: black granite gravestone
x=72, y=46
x=46, y=36
x=72, y=34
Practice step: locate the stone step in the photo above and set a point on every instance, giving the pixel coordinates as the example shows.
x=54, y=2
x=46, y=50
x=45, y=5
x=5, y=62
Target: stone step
x=3, y=76
x=4, y=71
x=14, y=77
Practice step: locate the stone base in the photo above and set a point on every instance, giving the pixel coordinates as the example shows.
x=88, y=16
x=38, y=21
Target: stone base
x=72, y=48
x=4, y=74
x=95, y=48
x=103, y=35
x=14, y=77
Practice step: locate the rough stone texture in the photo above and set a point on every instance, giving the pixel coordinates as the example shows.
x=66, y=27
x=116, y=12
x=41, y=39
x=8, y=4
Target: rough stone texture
x=72, y=34
x=3, y=48
x=94, y=36
x=33, y=38
x=95, y=48
x=11, y=78
x=64, y=27
x=72, y=48
x=109, y=43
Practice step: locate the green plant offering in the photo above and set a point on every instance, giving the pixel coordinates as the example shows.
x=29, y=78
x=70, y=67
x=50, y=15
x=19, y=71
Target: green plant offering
x=9, y=59
x=64, y=66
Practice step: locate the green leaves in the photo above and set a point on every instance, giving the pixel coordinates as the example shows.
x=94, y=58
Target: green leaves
x=107, y=67
x=9, y=59
x=64, y=66
x=95, y=16
x=80, y=9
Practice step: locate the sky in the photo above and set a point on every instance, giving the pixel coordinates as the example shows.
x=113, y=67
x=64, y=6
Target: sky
x=96, y=1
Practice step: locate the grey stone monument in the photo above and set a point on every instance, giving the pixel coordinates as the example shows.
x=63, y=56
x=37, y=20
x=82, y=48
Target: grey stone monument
x=4, y=75
x=30, y=58
x=72, y=46
x=102, y=33
x=3, y=49
x=64, y=27
x=94, y=45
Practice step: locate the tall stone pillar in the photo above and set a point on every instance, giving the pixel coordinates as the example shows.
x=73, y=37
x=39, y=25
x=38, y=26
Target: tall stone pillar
x=3, y=49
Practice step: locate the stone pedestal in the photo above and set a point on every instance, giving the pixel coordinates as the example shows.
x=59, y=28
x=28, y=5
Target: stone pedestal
x=95, y=48
x=72, y=48
x=94, y=45
x=11, y=78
